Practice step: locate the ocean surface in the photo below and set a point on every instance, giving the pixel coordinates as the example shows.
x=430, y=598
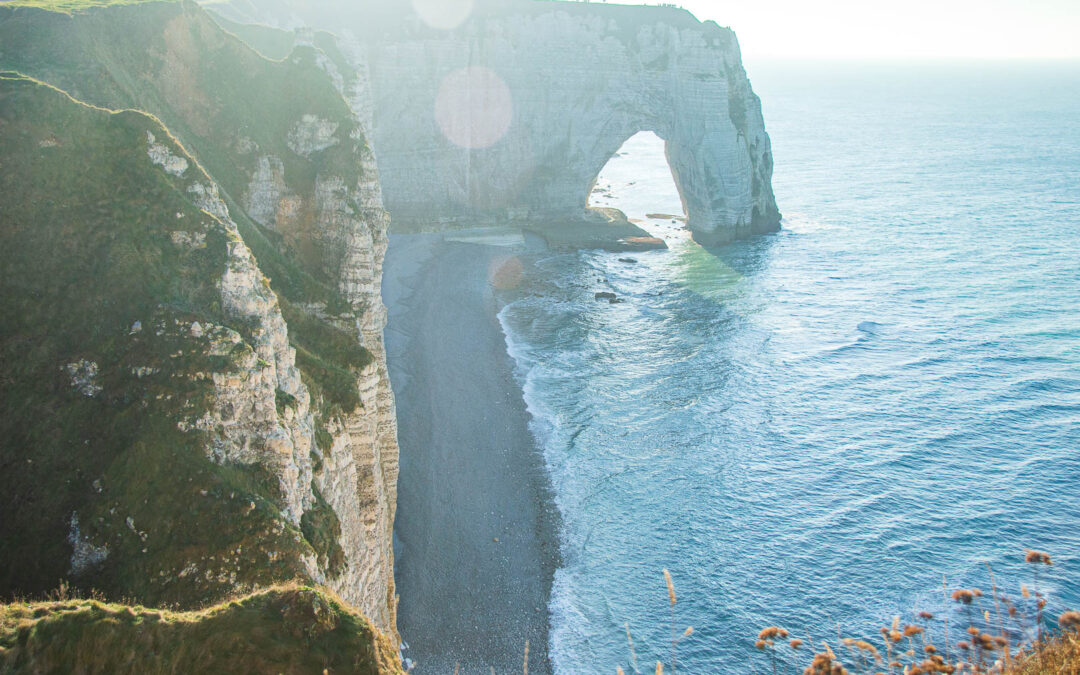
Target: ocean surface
x=811, y=428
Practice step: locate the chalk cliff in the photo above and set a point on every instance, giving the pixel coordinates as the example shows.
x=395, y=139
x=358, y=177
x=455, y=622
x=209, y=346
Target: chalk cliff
x=512, y=114
x=195, y=399
x=299, y=429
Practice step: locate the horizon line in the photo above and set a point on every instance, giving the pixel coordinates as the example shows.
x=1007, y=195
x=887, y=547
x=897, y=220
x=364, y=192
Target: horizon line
x=885, y=58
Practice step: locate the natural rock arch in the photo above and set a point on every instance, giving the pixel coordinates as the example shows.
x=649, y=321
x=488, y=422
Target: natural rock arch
x=581, y=78
x=638, y=178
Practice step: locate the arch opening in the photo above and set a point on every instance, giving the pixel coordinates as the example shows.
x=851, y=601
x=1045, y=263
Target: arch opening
x=639, y=181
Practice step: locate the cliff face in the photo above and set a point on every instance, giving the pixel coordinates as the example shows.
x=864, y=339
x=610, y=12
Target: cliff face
x=289, y=456
x=195, y=400
x=512, y=114
x=167, y=469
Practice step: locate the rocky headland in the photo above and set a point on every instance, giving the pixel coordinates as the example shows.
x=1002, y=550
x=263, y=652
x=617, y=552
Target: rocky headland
x=196, y=394
x=290, y=467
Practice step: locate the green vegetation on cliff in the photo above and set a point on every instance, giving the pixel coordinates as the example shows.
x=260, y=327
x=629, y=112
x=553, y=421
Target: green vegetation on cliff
x=154, y=436
x=281, y=630
x=106, y=274
x=70, y=6
x=273, y=43
x=233, y=109
x=108, y=263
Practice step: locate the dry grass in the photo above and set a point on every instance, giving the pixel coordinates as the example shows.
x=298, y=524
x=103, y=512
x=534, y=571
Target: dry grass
x=1057, y=655
x=1002, y=636
x=677, y=637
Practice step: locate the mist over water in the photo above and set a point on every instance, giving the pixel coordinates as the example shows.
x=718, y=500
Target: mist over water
x=809, y=429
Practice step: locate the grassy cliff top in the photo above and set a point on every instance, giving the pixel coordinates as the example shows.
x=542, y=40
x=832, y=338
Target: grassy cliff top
x=390, y=20
x=101, y=242
x=70, y=6
x=290, y=629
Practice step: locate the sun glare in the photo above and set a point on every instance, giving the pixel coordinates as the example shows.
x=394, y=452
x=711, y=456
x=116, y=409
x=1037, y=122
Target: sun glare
x=921, y=29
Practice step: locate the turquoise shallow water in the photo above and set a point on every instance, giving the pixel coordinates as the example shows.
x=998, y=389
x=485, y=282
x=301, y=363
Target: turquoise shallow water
x=811, y=428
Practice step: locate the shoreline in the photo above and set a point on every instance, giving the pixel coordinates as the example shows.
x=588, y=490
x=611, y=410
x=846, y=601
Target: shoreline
x=475, y=538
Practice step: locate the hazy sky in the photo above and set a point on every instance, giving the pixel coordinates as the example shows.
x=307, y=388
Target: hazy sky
x=899, y=28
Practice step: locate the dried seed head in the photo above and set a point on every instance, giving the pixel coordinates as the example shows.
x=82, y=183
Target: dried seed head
x=796, y=643
x=910, y=630
x=1069, y=620
x=670, y=586
x=963, y=596
x=926, y=616
x=825, y=664
x=1037, y=557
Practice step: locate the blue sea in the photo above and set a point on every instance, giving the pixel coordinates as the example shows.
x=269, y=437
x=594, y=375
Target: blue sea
x=812, y=429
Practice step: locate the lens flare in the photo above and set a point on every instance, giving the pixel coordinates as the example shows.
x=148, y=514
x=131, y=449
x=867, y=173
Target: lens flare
x=506, y=274
x=474, y=107
x=443, y=14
